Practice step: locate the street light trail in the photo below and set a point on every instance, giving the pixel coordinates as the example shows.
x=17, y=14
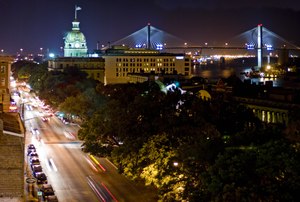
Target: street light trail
x=97, y=162
x=91, y=164
x=51, y=162
x=109, y=192
x=95, y=188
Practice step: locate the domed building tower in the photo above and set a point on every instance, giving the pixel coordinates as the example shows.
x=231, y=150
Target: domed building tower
x=75, y=43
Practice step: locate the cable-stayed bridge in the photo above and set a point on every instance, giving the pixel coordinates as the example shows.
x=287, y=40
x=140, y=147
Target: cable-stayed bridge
x=154, y=38
x=258, y=40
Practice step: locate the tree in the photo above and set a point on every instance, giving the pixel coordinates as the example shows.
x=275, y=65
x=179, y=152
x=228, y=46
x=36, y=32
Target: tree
x=269, y=172
x=160, y=167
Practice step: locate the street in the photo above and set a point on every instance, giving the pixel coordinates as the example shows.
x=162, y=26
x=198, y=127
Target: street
x=75, y=175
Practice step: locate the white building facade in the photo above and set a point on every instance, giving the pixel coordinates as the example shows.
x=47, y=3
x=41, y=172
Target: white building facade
x=120, y=62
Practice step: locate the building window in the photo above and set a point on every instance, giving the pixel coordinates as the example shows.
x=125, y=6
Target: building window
x=2, y=82
x=2, y=69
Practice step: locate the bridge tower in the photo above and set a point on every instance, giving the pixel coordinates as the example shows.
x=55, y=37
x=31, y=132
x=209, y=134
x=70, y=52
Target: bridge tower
x=259, y=46
x=148, y=36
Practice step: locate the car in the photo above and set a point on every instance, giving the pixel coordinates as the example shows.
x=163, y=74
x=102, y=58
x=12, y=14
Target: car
x=66, y=121
x=45, y=119
x=51, y=198
x=34, y=161
x=35, y=131
x=47, y=190
x=36, y=169
x=31, y=146
x=30, y=151
x=33, y=154
x=41, y=178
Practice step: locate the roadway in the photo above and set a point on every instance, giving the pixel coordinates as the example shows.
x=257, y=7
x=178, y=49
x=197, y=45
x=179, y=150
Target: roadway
x=75, y=175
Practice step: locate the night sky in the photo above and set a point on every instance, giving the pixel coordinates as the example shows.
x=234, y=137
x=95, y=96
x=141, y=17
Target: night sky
x=32, y=24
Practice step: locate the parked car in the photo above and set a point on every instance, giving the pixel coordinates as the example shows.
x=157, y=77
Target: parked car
x=36, y=169
x=41, y=178
x=47, y=190
x=45, y=119
x=66, y=121
x=51, y=198
x=31, y=146
x=33, y=154
x=34, y=161
x=30, y=151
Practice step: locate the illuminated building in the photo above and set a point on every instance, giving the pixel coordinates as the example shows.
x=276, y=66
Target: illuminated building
x=5, y=65
x=75, y=43
x=75, y=54
x=118, y=64
x=122, y=64
x=94, y=67
x=12, y=133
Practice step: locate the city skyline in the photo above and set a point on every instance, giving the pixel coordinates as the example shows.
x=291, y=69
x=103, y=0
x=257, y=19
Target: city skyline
x=32, y=25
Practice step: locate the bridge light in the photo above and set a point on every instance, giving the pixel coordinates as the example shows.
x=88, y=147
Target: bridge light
x=159, y=47
x=269, y=46
x=51, y=55
x=249, y=46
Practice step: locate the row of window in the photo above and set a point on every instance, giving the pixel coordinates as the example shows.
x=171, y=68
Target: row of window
x=133, y=70
x=92, y=66
x=92, y=75
x=145, y=60
x=122, y=72
x=2, y=71
x=145, y=64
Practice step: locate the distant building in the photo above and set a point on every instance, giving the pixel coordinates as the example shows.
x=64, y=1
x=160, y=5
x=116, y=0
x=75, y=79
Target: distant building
x=123, y=64
x=94, y=67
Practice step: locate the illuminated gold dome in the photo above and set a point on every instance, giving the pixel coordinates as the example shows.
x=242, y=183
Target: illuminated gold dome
x=75, y=42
